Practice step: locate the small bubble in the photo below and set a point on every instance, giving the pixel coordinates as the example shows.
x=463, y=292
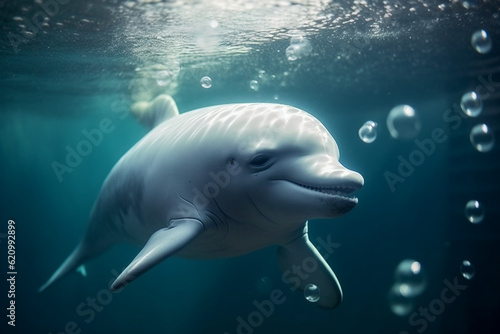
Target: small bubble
x=471, y=104
x=163, y=78
x=403, y=122
x=467, y=269
x=368, y=132
x=264, y=285
x=276, y=97
x=400, y=304
x=474, y=212
x=482, y=138
x=411, y=278
x=311, y=293
x=206, y=82
x=481, y=42
x=254, y=85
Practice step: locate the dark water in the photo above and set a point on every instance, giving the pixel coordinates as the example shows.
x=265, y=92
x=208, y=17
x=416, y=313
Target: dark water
x=76, y=63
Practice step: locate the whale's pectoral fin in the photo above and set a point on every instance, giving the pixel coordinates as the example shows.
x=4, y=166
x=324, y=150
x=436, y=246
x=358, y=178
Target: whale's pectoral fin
x=302, y=264
x=161, y=244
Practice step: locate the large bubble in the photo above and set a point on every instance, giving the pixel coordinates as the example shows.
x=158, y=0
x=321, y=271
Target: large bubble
x=474, y=212
x=311, y=293
x=481, y=42
x=403, y=122
x=471, y=104
x=482, y=138
x=411, y=278
x=206, y=82
x=299, y=47
x=467, y=269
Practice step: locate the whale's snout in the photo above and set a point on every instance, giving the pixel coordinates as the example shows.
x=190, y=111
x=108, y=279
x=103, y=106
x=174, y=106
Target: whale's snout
x=353, y=179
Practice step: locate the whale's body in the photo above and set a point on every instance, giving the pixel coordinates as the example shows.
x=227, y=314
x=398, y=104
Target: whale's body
x=218, y=182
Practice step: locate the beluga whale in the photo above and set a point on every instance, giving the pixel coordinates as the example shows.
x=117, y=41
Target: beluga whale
x=218, y=182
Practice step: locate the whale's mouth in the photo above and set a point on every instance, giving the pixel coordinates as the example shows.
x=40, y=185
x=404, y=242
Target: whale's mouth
x=341, y=192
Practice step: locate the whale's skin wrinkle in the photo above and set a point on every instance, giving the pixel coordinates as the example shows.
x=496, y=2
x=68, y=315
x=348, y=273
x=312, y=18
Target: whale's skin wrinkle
x=120, y=196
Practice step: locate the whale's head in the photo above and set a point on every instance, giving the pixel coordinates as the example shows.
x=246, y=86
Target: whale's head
x=285, y=166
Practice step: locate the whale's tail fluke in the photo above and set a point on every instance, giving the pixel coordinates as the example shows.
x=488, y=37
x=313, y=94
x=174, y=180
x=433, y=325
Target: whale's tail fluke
x=152, y=113
x=72, y=262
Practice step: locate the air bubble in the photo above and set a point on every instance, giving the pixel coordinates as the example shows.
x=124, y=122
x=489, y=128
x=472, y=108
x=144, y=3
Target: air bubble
x=400, y=305
x=299, y=47
x=482, y=138
x=474, y=212
x=471, y=104
x=264, y=285
x=311, y=293
x=481, y=42
x=206, y=82
x=290, y=53
x=368, y=132
x=467, y=269
x=163, y=78
x=411, y=278
x=254, y=85
x=403, y=122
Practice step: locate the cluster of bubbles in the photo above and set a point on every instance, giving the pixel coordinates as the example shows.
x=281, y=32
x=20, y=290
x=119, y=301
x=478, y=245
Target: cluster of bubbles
x=311, y=293
x=474, y=211
x=410, y=282
x=154, y=79
x=403, y=122
x=299, y=47
x=481, y=137
x=368, y=132
x=265, y=79
x=481, y=41
x=206, y=82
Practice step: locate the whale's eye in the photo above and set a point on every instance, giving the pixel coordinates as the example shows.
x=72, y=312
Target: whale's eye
x=260, y=160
